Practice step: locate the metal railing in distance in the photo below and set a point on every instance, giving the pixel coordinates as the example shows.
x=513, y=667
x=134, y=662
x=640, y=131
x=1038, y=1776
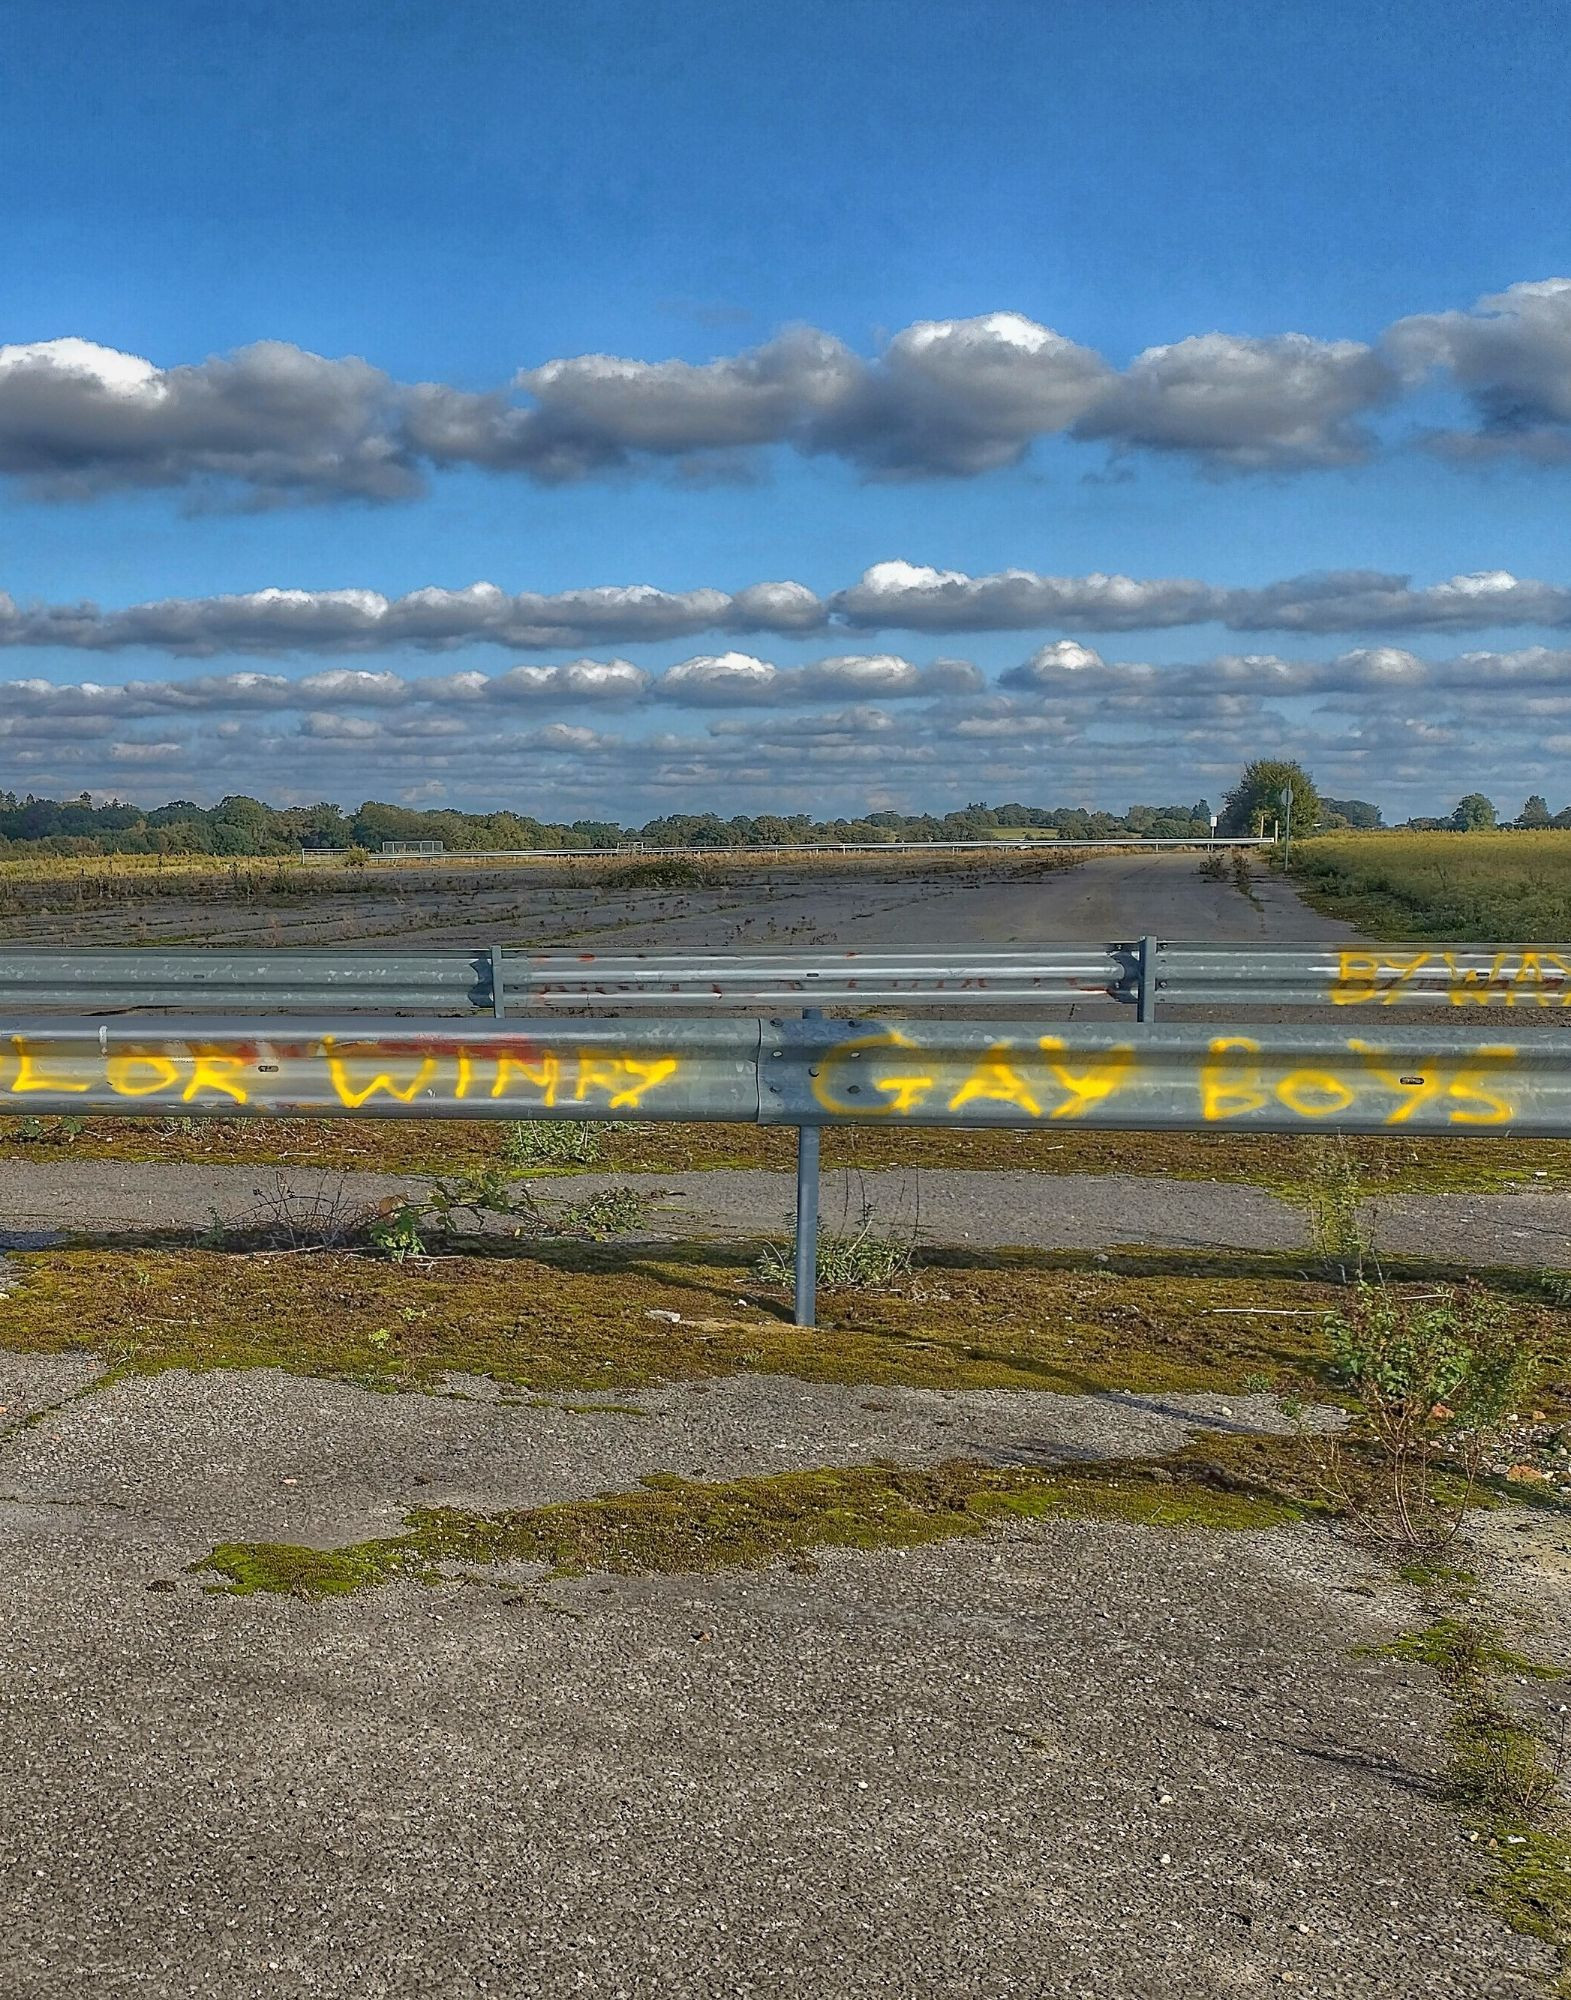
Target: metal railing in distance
x=290, y=980
x=93, y=981
x=1148, y=975
x=1050, y=973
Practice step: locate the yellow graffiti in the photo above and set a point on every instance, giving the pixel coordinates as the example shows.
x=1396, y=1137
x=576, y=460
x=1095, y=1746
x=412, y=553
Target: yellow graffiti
x=909, y=1092
x=1087, y=1086
x=994, y=1080
x=1466, y=1086
x=544, y=1075
x=352, y=1095
x=211, y=1069
x=30, y=1077
x=1512, y=978
x=891, y=1080
x=120, y=1071
x=623, y=1078
x=1234, y=1082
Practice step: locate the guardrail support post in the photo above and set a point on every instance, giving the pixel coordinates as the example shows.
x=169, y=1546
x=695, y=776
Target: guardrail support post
x=498, y=986
x=1145, y=991
x=804, y=1293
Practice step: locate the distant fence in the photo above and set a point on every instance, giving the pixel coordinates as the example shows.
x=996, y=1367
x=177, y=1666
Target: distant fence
x=279, y=1034
x=649, y=851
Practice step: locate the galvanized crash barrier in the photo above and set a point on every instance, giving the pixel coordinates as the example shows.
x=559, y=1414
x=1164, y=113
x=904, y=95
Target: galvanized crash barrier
x=1349, y=1073
x=1149, y=975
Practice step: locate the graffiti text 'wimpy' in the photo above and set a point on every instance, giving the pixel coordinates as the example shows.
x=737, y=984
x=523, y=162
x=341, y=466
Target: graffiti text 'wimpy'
x=354, y=1074
x=1511, y=979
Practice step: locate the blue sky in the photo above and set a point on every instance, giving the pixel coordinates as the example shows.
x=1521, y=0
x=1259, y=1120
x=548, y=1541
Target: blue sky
x=455, y=193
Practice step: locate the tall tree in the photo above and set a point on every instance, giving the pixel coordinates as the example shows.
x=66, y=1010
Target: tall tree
x=1473, y=814
x=1259, y=797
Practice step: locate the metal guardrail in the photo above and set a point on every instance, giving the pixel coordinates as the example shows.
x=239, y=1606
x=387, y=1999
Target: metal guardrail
x=805, y=1072
x=743, y=1036
x=1150, y=975
x=789, y=1071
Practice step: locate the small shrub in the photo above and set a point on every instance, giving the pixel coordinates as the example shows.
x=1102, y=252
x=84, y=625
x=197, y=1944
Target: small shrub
x=1429, y=1373
x=356, y=857
x=1214, y=867
x=395, y=1234
x=614, y=1211
x=674, y=872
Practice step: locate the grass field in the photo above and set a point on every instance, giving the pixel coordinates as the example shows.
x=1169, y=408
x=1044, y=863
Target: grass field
x=1505, y=887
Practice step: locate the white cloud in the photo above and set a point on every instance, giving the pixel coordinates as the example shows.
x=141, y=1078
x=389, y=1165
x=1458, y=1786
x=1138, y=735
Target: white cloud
x=1247, y=405
x=1511, y=358
x=77, y=419
x=954, y=397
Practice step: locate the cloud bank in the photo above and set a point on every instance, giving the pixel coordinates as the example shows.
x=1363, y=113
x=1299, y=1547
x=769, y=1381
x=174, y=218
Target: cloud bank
x=954, y=398
x=891, y=596
x=1067, y=724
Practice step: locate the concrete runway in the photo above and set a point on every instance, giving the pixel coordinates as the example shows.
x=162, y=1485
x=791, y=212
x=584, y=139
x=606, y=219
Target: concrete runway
x=1072, y=1760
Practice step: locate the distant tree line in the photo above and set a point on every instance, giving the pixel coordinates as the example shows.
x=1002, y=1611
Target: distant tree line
x=244, y=826
x=241, y=826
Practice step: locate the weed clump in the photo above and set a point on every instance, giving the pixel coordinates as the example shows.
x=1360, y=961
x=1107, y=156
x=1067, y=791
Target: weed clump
x=857, y=1261
x=528, y=1143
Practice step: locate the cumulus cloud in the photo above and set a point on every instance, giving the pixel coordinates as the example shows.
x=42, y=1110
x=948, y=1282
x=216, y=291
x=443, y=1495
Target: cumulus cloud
x=908, y=597
x=889, y=596
x=352, y=621
x=1511, y=358
x=945, y=397
x=1287, y=403
x=77, y=419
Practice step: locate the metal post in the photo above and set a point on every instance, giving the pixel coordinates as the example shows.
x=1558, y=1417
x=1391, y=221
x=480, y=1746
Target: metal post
x=805, y=1290
x=498, y=988
x=1145, y=990
x=1287, y=826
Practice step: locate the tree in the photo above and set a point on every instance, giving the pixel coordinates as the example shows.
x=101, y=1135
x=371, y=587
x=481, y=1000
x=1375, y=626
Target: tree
x=1258, y=797
x=1535, y=812
x=1355, y=812
x=1473, y=813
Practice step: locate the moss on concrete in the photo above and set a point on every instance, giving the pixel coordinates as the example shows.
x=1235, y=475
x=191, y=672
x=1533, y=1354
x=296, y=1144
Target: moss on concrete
x=611, y=1317
x=1504, y=1781
x=671, y=1524
x=604, y=1318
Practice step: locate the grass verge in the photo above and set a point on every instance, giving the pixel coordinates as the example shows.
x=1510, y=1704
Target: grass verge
x=1278, y=1161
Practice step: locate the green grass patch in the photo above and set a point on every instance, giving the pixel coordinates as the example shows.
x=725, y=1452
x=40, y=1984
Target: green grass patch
x=1504, y=1780
x=1502, y=887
